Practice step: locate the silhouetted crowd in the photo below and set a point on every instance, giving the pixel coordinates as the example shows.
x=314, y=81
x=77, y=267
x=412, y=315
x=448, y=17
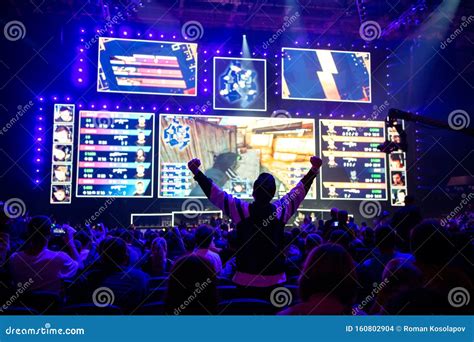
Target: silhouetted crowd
x=397, y=264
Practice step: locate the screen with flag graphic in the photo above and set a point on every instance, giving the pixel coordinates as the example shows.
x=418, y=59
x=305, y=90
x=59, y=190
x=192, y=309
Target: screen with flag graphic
x=147, y=67
x=326, y=75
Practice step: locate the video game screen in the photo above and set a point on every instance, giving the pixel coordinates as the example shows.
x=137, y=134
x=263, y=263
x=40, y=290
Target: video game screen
x=115, y=154
x=326, y=75
x=147, y=67
x=240, y=84
x=353, y=167
x=233, y=153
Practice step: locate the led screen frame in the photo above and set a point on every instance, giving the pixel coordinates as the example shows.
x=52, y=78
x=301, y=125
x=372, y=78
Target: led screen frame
x=321, y=180
x=147, y=92
x=152, y=180
x=215, y=85
x=224, y=116
x=324, y=99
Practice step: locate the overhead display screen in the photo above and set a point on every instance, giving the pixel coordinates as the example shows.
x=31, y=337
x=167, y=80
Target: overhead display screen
x=353, y=167
x=115, y=154
x=233, y=151
x=147, y=67
x=240, y=84
x=326, y=75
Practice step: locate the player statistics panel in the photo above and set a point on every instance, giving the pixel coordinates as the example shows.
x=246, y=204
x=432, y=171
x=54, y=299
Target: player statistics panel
x=115, y=154
x=353, y=167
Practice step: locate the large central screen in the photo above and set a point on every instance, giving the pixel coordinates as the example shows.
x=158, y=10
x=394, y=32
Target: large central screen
x=147, y=67
x=326, y=75
x=115, y=154
x=233, y=151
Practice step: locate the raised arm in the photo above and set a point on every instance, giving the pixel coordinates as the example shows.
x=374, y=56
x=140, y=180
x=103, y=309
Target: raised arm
x=288, y=204
x=233, y=207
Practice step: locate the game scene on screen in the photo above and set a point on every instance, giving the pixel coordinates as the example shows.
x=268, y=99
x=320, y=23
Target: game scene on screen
x=240, y=83
x=326, y=75
x=115, y=154
x=235, y=151
x=353, y=167
x=147, y=67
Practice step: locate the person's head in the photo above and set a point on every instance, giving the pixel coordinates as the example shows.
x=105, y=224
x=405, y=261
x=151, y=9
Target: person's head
x=141, y=136
x=62, y=134
x=140, y=153
x=341, y=237
x=113, y=252
x=204, y=236
x=401, y=196
x=65, y=113
x=139, y=188
x=84, y=239
x=334, y=213
x=329, y=271
x=397, y=178
x=264, y=188
x=312, y=241
x=38, y=231
x=385, y=238
x=59, y=193
x=140, y=169
x=60, y=172
x=141, y=121
x=430, y=243
x=193, y=277
x=159, y=247
x=342, y=217
x=59, y=154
